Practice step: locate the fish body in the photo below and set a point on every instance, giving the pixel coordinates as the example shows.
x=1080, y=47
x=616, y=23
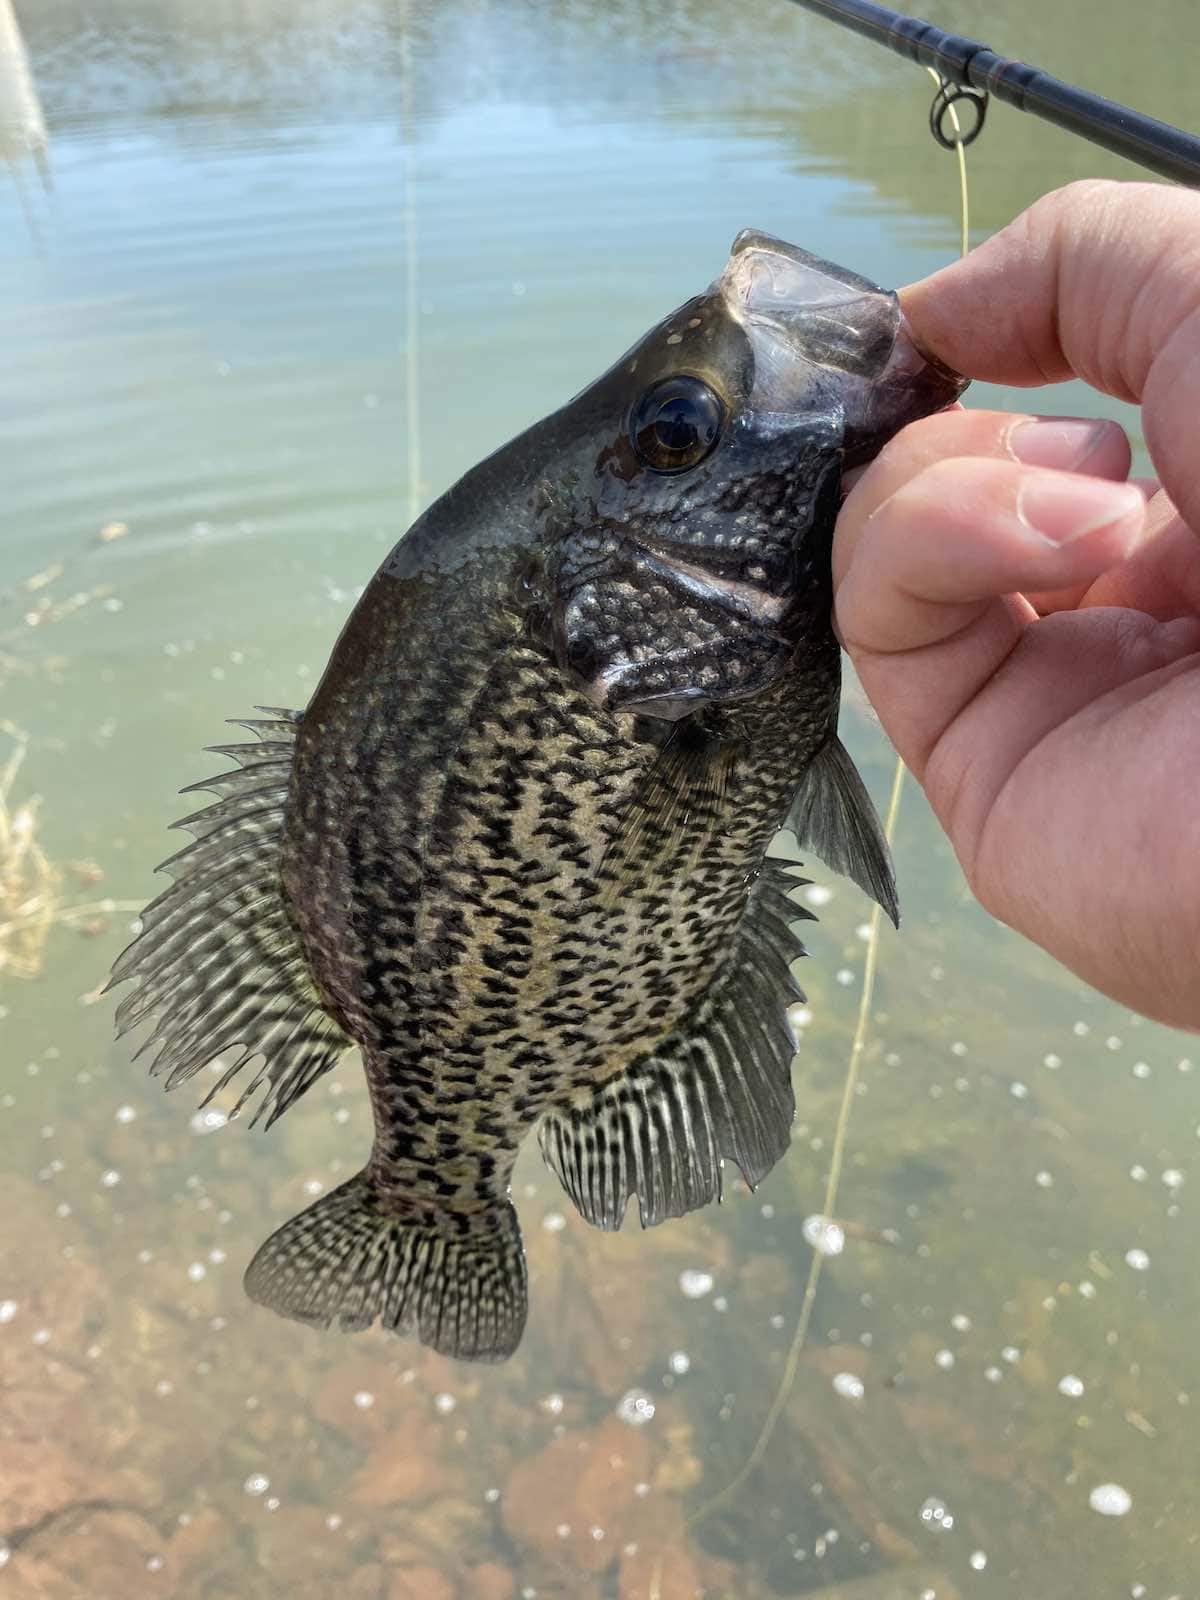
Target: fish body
x=515, y=848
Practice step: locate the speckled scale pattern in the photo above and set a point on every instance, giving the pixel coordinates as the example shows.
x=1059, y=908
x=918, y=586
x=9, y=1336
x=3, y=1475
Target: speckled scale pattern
x=445, y=853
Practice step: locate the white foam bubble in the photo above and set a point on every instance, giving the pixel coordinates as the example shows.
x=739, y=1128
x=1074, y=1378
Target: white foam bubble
x=635, y=1407
x=1110, y=1500
x=824, y=1235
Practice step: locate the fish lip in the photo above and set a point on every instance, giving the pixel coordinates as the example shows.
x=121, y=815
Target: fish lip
x=846, y=339
x=741, y=276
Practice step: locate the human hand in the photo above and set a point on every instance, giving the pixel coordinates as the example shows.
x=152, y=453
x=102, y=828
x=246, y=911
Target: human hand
x=1026, y=622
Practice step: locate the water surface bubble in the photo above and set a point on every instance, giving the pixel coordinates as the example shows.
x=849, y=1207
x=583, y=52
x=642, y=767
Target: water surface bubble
x=1110, y=1500
x=257, y=1483
x=111, y=1178
x=364, y=1399
x=848, y=1385
x=960, y=1322
x=936, y=1514
x=126, y=1114
x=635, y=1407
x=1139, y=1260
x=445, y=1403
x=978, y=1560
x=1173, y=1178
x=679, y=1361
x=208, y=1120
x=8, y=1310
x=695, y=1284
x=944, y=1359
x=554, y=1222
x=824, y=1235
x=818, y=894
x=1071, y=1386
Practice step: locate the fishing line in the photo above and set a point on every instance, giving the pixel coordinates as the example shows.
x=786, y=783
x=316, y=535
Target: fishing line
x=411, y=303
x=857, y=1047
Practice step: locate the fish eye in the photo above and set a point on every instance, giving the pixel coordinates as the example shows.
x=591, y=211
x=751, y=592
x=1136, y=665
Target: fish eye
x=676, y=423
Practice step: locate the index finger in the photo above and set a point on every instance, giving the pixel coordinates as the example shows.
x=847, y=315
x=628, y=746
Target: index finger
x=1099, y=281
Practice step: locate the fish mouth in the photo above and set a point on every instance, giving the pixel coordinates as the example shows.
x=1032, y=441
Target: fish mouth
x=828, y=339
x=827, y=315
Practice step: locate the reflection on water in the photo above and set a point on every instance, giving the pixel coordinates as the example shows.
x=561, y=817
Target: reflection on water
x=22, y=123
x=206, y=446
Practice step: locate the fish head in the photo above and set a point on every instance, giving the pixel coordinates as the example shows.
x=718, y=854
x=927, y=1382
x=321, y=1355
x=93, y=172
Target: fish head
x=685, y=517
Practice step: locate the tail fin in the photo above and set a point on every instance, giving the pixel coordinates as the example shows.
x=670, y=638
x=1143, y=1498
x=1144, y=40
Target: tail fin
x=347, y=1261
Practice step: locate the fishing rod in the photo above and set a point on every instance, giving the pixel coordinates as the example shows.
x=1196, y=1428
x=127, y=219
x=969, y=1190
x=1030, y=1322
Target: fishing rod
x=972, y=72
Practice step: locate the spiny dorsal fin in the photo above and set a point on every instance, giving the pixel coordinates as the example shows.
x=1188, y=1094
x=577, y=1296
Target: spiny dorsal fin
x=217, y=963
x=832, y=816
x=719, y=1086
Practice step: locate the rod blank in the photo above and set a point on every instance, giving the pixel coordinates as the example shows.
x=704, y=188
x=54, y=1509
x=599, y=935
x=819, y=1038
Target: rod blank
x=1158, y=146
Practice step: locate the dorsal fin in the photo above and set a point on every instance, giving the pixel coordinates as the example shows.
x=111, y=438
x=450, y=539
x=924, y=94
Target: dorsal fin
x=718, y=1086
x=217, y=962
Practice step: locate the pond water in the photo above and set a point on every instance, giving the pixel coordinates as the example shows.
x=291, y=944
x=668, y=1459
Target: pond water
x=272, y=274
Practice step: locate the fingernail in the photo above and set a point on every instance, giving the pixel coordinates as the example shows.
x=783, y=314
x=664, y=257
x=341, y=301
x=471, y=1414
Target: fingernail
x=1063, y=442
x=1066, y=508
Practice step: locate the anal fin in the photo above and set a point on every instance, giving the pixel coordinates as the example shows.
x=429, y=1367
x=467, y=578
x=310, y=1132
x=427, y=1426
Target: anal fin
x=717, y=1087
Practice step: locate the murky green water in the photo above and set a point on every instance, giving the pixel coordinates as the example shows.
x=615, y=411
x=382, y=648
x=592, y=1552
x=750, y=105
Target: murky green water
x=205, y=337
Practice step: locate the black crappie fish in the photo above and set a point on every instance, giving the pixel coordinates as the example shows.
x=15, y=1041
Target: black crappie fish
x=515, y=847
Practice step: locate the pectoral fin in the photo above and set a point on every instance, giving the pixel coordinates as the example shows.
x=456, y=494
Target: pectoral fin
x=832, y=816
